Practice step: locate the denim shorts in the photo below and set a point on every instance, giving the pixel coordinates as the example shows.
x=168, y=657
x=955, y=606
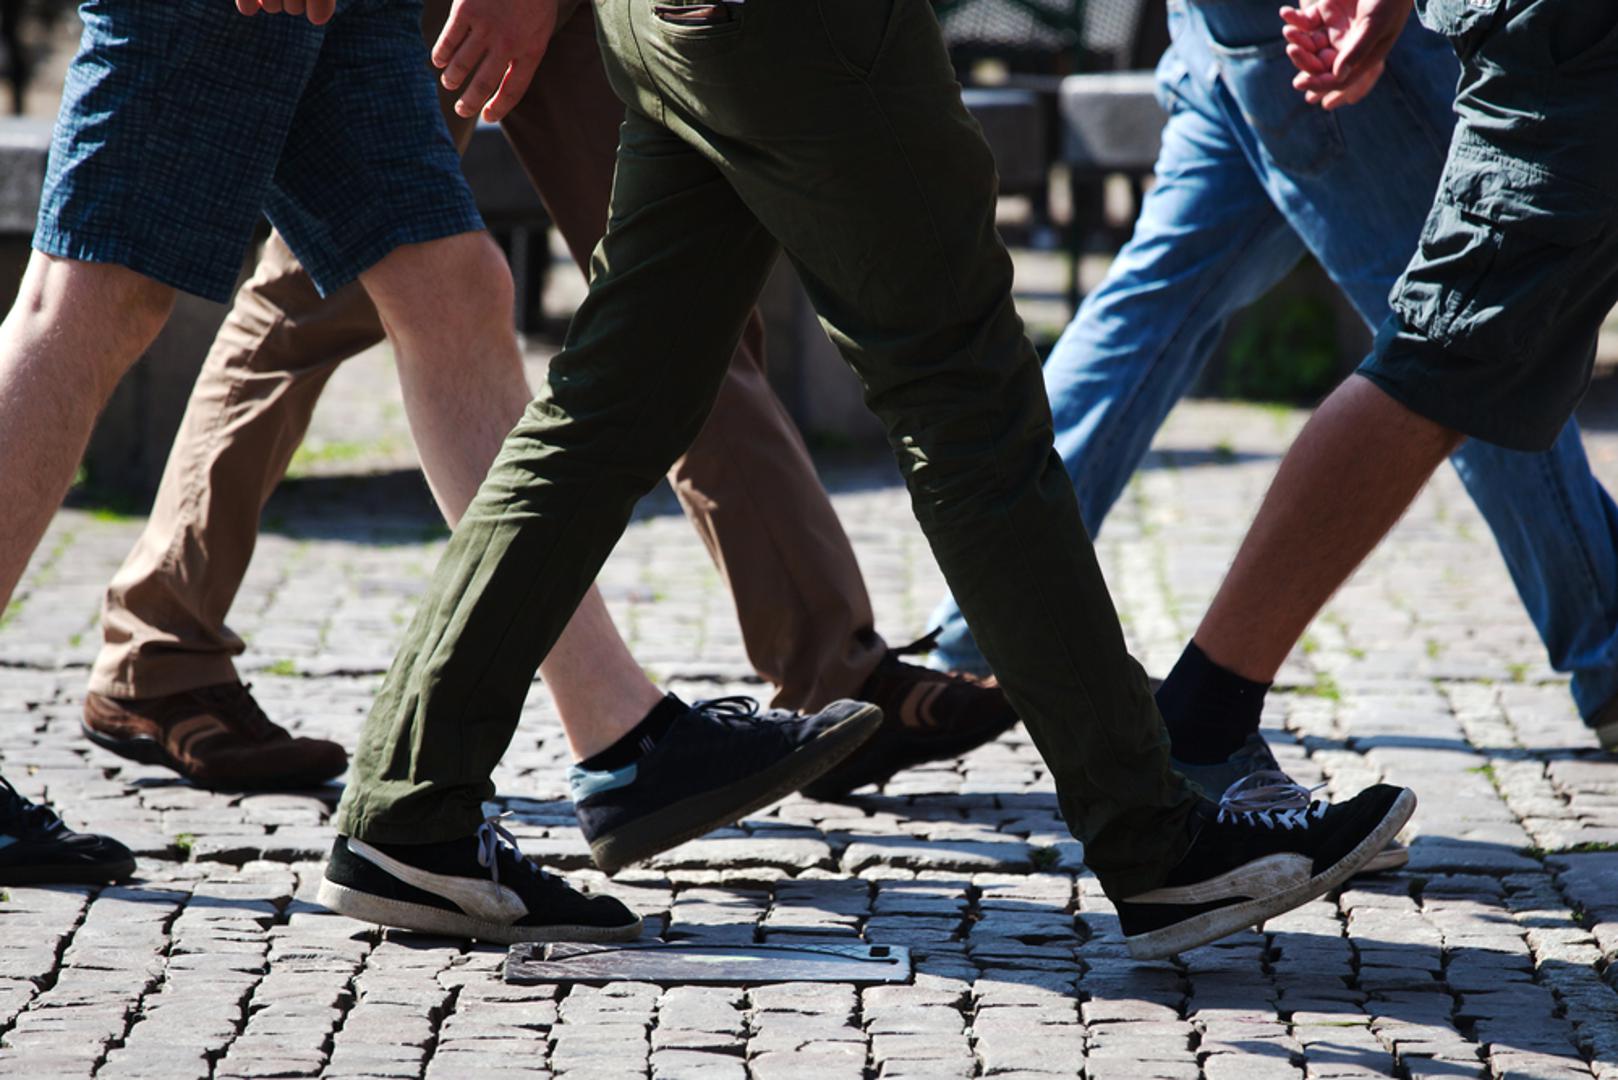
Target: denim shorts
x=1496, y=319
x=183, y=122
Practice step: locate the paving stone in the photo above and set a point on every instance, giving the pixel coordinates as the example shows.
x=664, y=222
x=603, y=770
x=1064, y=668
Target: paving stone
x=1492, y=957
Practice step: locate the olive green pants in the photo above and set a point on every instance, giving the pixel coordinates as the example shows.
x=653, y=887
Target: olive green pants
x=832, y=130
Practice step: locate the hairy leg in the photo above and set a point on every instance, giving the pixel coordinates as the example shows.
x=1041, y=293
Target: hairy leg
x=75, y=329
x=447, y=306
x=1353, y=471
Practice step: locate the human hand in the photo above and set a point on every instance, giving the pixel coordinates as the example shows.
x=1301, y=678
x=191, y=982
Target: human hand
x=319, y=11
x=499, y=44
x=1340, y=47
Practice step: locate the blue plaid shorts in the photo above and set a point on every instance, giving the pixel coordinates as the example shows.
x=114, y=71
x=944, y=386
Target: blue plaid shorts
x=183, y=121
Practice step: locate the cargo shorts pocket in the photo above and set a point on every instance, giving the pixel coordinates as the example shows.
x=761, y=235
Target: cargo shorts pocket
x=1501, y=249
x=1465, y=22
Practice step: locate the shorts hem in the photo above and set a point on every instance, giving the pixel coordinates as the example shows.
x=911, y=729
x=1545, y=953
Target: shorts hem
x=330, y=275
x=104, y=251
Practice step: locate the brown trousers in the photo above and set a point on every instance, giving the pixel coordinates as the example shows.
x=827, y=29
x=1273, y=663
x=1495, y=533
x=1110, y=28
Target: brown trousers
x=747, y=483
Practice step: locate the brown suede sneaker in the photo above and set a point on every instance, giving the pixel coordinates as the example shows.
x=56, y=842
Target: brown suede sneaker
x=216, y=737
x=926, y=716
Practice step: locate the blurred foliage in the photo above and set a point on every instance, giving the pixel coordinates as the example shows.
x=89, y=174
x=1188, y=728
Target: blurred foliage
x=1284, y=348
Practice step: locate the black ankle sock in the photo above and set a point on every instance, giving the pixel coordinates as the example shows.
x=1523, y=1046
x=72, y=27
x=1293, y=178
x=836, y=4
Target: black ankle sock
x=1209, y=710
x=640, y=738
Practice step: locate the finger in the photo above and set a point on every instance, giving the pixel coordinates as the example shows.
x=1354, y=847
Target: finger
x=272, y=6
x=1303, y=39
x=481, y=87
x=1305, y=61
x=247, y=7
x=1320, y=84
x=1355, y=92
x=1302, y=20
x=512, y=88
x=453, y=37
x=463, y=63
x=321, y=11
x=292, y=7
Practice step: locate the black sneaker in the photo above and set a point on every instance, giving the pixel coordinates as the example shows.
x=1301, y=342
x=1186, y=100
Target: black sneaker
x=36, y=848
x=719, y=762
x=481, y=887
x=1251, y=779
x=1247, y=866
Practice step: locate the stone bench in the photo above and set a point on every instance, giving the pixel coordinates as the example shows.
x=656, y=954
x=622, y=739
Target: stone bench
x=1111, y=123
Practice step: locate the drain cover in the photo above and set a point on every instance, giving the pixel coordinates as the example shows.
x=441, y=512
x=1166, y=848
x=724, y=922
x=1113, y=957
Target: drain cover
x=707, y=965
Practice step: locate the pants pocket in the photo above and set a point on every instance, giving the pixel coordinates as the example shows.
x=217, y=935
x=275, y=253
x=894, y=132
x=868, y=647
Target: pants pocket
x=858, y=30
x=693, y=21
x=1300, y=138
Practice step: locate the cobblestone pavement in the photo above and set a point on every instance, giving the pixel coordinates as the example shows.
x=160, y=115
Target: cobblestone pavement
x=1493, y=955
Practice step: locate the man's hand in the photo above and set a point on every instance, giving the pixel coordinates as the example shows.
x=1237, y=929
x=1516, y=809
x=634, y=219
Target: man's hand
x=499, y=44
x=319, y=11
x=1340, y=47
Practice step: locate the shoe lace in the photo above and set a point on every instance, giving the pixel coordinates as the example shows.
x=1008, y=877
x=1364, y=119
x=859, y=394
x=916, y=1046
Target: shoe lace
x=1272, y=799
x=736, y=708
x=492, y=836
x=27, y=816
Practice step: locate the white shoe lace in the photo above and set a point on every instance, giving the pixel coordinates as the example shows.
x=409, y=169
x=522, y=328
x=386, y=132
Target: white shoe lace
x=490, y=835
x=1271, y=798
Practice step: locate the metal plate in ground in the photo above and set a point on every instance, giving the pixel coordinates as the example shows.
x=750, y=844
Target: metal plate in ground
x=706, y=965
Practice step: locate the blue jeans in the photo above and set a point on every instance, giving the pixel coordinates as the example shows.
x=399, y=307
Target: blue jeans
x=1249, y=178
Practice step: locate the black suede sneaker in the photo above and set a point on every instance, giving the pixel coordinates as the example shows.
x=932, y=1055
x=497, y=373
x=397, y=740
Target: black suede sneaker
x=37, y=848
x=1246, y=866
x=719, y=762
x=481, y=887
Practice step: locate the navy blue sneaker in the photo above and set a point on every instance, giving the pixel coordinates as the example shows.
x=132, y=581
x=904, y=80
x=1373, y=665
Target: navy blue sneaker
x=719, y=762
x=480, y=887
x=37, y=848
x=1252, y=780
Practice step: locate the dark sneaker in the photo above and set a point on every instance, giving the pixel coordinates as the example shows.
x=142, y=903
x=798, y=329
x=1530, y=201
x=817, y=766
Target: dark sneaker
x=719, y=762
x=1251, y=779
x=1605, y=725
x=36, y=848
x=216, y=737
x=927, y=716
x=1247, y=866
x=481, y=887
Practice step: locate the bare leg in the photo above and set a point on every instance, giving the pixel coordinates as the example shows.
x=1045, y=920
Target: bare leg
x=464, y=391
x=75, y=329
x=1354, y=469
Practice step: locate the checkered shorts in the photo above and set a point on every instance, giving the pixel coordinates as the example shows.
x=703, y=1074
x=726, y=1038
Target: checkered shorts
x=182, y=122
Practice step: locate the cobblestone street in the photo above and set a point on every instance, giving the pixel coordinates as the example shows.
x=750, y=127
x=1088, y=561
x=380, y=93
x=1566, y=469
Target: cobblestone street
x=1495, y=954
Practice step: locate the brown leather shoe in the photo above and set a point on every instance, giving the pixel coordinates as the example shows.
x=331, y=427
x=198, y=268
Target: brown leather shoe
x=926, y=716
x=217, y=737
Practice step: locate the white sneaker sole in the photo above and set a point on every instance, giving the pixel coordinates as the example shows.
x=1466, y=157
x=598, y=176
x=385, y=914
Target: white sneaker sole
x=1393, y=857
x=1213, y=925
x=403, y=915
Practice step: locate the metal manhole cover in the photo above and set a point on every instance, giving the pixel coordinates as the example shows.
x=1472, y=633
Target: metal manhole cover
x=706, y=965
